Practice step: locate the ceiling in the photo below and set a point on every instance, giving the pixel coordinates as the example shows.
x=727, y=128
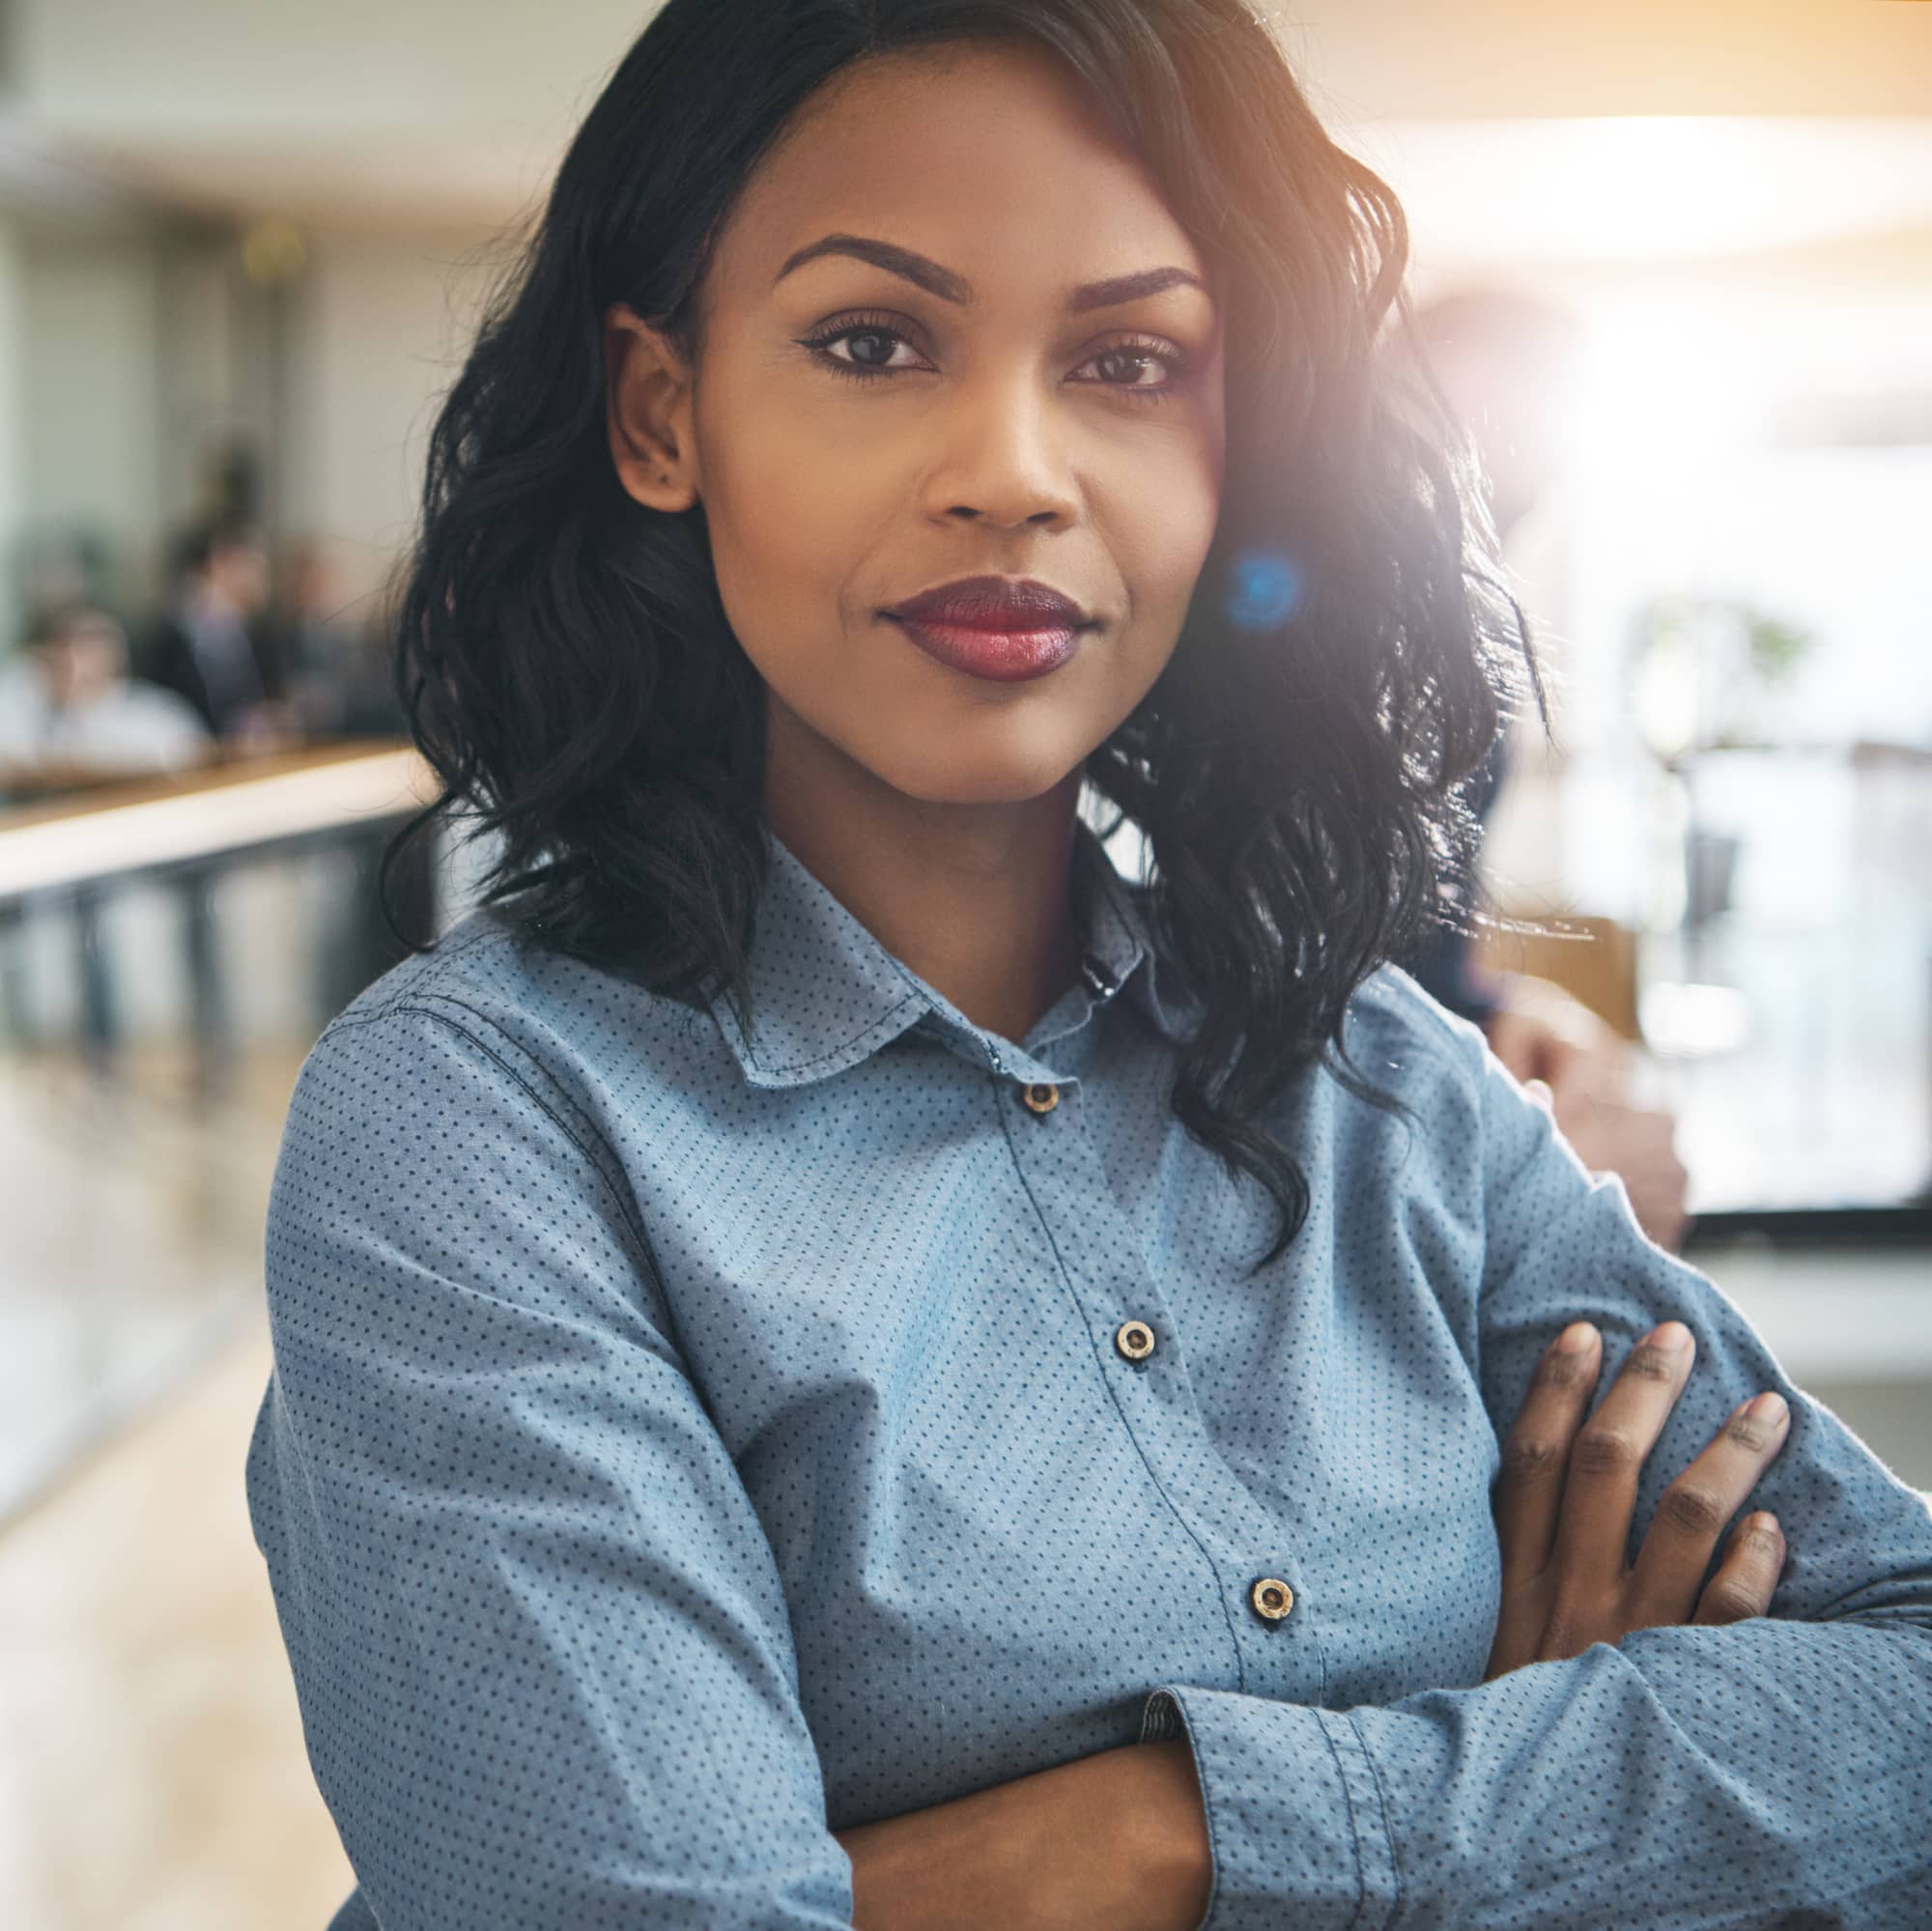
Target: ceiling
x=1511, y=128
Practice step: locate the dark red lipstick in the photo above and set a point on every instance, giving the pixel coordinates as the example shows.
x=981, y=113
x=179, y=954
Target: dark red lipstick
x=1000, y=628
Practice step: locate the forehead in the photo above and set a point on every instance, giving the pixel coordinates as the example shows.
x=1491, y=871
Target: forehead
x=990, y=156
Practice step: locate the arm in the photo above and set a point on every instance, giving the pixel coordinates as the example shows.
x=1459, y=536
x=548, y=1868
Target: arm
x=539, y=1640
x=1117, y=1841
x=1684, y=1777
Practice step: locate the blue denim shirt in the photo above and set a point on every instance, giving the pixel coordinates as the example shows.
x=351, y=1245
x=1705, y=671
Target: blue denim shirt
x=682, y=1445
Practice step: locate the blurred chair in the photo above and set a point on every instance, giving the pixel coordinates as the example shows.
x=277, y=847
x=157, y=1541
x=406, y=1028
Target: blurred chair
x=1592, y=959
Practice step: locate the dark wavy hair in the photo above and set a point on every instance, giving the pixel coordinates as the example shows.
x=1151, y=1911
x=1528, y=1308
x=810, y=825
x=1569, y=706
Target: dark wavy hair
x=1347, y=661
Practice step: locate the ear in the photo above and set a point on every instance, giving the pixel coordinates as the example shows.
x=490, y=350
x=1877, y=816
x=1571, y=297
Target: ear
x=647, y=412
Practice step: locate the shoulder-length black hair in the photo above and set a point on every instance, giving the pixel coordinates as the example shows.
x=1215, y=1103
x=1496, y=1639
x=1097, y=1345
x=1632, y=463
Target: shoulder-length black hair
x=1349, y=654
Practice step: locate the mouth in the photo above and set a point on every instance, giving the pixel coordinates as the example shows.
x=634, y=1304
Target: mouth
x=1003, y=630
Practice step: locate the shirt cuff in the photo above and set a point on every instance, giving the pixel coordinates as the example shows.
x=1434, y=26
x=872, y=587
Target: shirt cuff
x=1295, y=1813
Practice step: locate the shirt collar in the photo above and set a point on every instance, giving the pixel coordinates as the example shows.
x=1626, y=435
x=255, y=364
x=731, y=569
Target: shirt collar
x=825, y=993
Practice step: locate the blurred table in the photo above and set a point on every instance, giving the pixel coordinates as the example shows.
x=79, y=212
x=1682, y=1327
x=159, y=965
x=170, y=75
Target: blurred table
x=183, y=829
x=119, y=826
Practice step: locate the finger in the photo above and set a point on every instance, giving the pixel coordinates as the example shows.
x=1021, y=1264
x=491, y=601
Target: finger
x=1692, y=1511
x=1530, y=1485
x=1608, y=1454
x=1747, y=1579
x=1539, y=1090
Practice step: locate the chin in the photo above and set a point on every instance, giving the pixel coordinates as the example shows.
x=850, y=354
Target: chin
x=957, y=773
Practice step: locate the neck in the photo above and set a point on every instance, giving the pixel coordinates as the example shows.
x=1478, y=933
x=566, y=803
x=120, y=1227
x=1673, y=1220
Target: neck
x=977, y=899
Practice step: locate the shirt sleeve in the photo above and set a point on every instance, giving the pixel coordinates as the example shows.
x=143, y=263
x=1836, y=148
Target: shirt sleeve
x=538, y=1635
x=1769, y=1773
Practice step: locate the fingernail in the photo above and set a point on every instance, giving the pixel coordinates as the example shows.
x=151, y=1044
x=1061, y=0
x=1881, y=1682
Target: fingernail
x=1765, y=1519
x=1574, y=1338
x=1671, y=1337
x=1769, y=1408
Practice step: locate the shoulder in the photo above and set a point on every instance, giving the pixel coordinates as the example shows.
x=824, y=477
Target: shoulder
x=1435, y=1065
x=21, y=683
x=157, y=706
x=1390, y=1013
x=583, y=1043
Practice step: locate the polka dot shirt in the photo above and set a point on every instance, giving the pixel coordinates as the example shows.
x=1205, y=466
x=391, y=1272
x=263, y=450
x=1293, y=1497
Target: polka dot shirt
x=683, y=1444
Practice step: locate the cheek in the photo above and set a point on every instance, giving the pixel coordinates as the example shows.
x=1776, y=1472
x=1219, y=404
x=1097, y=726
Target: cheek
x=1160, y=539
x=785, y=516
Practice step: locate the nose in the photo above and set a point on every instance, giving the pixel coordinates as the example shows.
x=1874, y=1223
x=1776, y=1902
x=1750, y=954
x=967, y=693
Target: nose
x=1004, y=458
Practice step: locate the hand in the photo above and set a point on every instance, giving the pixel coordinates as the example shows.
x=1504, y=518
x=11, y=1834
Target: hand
x=1565, y=1582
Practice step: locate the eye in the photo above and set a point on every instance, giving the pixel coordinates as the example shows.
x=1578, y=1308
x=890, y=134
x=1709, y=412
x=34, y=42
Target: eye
x=873, y=343
x=869, y=336
x=1142, y=354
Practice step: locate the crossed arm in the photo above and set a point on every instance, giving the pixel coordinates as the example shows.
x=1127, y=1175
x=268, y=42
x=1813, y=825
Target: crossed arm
x=490, y=1764
x=1118, y=1841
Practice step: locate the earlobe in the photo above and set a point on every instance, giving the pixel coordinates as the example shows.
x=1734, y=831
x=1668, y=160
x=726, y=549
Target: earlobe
x=644, y=395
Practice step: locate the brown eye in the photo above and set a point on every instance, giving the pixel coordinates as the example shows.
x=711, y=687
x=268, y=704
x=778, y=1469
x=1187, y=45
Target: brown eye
x=871, y=346
x=1135, y=356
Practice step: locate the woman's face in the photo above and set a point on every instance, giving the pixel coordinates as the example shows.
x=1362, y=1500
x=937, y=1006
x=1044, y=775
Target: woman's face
x=1011, y=432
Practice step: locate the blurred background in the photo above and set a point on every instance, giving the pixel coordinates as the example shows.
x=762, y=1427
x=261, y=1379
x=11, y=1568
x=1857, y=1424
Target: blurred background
x=1675, y=259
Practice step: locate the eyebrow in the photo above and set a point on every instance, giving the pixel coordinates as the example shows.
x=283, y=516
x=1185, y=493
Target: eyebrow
x=950, y=286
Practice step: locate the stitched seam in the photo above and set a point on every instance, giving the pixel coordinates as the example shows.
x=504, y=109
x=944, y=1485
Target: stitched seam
x=914, y=997
x=597, y=1155
x=1355, y=1823
x=1382, y=1804
x=1107, y=1381
x=446, y=958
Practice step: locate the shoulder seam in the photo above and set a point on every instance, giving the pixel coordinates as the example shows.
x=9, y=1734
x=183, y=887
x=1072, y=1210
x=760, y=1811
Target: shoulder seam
x=589, y=1141
x=446, y=962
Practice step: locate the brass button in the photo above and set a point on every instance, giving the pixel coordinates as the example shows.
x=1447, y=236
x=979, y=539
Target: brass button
x=1272, y=1597
x=1134, y=1339
x=1041, y=1098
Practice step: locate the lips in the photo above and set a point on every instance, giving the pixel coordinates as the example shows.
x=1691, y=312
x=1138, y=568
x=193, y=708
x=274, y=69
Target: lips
x=993, y=604
x=989, y=627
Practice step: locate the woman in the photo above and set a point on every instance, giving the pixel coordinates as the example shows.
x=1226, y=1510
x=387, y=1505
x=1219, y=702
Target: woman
x=838, y=1362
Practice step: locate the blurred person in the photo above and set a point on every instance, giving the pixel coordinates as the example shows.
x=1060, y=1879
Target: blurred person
x=70, y=713
x=214, y=642
x=340, y=680
x=341, y=685
x=72, y=717
x=837, y=1360
x=1503, y=359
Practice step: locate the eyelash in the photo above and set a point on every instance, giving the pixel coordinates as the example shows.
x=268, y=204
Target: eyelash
x=1181, y=364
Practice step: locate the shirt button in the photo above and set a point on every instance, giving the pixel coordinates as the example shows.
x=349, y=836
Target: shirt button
x=1041, y=1098
x=1134, y=1339
x=1272, y=1597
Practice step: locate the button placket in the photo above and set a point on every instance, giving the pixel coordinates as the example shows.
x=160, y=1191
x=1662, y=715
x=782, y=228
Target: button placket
x=1278, y=1652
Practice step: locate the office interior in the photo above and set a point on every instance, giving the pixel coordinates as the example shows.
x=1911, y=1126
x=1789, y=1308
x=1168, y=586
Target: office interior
x=241, y=250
